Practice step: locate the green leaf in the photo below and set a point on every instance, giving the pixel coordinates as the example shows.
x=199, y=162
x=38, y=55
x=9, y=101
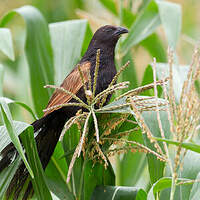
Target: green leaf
x=141, y=195
x=170, y=15
x=147, y=79
x=115, y=193
x=57, y=174
x=19, y=127
x=188, y=171
x=144, y=25
x=7, y=119
x=6, y=44
x=87, y=39
x=95, y=175
x=186, y=145
x=59, y=191
x=67, y=41
x=130, y=162
x=130, y=72
x=160, y=185
x=144, y=4
x=39, y=182
x=179, y=76
x=156, y=50
x=6, y=176
x=38, y=53
x=127, y=16
x=194, y=194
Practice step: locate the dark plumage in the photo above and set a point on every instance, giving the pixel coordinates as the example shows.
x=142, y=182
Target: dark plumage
x=51, y=125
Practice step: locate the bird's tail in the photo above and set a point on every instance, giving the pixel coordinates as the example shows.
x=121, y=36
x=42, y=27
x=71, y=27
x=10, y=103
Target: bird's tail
x=48, y=130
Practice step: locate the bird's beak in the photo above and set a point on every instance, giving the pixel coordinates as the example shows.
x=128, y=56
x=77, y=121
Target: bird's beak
x=120, y=30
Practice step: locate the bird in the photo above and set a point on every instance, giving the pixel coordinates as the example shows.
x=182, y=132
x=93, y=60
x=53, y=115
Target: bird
x=49, y=127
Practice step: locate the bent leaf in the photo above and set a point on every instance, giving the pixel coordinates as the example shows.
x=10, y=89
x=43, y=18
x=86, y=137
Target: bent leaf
x=38, y=52
x=6, y=44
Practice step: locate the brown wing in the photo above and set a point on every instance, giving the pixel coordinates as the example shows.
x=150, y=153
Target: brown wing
x=71, y=83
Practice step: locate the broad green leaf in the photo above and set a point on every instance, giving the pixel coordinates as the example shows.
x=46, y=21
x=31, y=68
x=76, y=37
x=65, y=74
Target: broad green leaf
x=115, y=193
x=144, y=25
x=6, y=44
x=170, y=15
x=128, y=17
x=186, y=145
x=39, y=181
x=160, y=185
x=19, y=127
x=194, y=194
x=141, y=195
x=67, y=41
x=38, y=53
x=8, y=122
x=179, y=76
x=6, y=176
x=1, y=79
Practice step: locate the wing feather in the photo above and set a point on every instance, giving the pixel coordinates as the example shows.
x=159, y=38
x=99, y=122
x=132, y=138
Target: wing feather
x=71, y=83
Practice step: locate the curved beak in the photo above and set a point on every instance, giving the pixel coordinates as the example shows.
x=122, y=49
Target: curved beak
x=120, y=30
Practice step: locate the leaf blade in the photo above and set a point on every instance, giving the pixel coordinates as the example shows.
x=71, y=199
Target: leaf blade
x=7, y=119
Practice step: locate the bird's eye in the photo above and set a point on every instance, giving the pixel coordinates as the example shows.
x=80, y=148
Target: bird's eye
x=109, y=30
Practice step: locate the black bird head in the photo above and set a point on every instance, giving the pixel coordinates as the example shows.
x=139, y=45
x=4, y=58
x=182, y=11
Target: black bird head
x=105, y=39
x=107, y=35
